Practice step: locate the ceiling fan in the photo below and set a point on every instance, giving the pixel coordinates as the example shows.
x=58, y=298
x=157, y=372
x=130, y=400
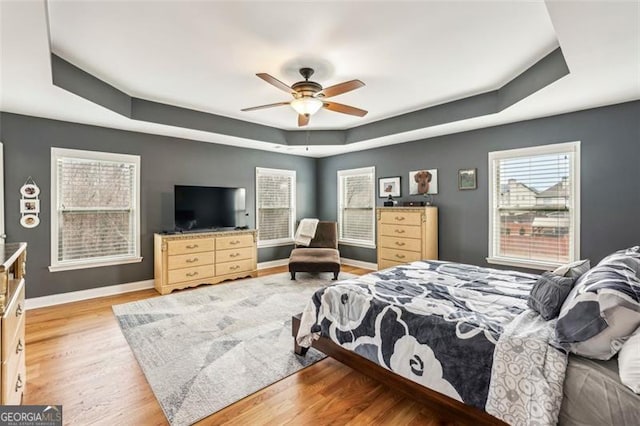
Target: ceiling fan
x=309, y=96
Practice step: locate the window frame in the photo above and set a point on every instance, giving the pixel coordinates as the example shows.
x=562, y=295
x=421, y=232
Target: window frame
x=574, y=203
x=292, y=207
x=354, y=172
x=56, y=265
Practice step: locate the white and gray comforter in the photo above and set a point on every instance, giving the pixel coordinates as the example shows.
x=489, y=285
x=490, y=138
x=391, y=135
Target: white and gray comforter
x=462, y=330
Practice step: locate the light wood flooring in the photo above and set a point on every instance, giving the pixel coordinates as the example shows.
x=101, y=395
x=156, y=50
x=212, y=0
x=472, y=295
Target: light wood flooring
x=77, y=357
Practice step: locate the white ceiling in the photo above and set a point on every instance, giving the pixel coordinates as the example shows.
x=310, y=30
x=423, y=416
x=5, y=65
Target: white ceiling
x=411, y=55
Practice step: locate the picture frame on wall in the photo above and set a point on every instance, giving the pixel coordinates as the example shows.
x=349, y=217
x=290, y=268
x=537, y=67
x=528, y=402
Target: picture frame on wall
x=422, y=182
x=29, y=206
x=467, y=179
x=389, y=186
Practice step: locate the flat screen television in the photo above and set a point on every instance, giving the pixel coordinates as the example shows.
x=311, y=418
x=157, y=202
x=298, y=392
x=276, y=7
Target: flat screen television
x=208, y=207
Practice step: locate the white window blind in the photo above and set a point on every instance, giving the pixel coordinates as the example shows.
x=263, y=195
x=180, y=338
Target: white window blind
x=95, y=209
x=534, y=205
x=275, y=203
x=356, y=204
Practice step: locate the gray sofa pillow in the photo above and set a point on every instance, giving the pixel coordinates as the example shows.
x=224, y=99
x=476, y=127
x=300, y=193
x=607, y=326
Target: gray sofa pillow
x=548, y=294
x=573, y=269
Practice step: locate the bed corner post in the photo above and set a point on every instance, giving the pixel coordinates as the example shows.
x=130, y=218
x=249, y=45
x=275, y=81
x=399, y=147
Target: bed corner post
x=295, y=325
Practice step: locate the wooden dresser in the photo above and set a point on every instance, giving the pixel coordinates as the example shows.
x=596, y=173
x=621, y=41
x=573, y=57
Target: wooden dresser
x=13, y=372
x=406, y=234
x=188, y=260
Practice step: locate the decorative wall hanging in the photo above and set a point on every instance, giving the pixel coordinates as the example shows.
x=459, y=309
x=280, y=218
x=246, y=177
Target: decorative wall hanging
x=30, y=204
x=467, y=179
x=423, y=182
x=389, y=186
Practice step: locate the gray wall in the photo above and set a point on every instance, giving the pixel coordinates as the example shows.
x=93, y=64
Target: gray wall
x=610, y=160
x=165, y=161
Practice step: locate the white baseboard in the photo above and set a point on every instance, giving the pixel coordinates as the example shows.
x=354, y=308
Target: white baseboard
x=359, y=263
x=273, y=263
x=92, y=293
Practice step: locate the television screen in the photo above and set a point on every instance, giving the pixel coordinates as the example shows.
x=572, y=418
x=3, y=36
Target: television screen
x=208, y=207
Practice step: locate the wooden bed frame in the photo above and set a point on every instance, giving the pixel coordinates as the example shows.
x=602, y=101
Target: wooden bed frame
x=446, y=407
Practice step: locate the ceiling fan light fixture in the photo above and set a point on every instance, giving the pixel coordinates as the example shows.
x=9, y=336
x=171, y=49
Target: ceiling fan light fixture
x=306, y=105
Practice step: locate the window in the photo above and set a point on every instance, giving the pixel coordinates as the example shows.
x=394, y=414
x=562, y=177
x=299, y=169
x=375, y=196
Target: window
x=95, y=209
x=534, y=206
x=356, y=202
x=275, y=205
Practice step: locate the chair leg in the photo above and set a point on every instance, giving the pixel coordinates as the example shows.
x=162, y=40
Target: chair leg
x=335, y=275
x=293, y=275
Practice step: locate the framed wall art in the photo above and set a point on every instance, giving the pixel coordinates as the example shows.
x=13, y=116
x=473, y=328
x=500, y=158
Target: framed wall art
x=389, y=186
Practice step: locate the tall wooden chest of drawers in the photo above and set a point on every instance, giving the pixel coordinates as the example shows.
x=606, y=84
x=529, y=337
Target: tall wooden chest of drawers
x=13, y=372
x=406, y=234
x=188, y=260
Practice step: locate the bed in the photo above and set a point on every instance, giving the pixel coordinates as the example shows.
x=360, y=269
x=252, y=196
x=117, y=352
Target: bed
x=458, y=337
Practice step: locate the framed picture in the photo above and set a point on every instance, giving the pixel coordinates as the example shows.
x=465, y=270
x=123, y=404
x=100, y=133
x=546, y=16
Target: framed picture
x=30, y=221
x=423, y=182
x=29, y=206
x=467, y=179
x=389, y=186
x=30, y=190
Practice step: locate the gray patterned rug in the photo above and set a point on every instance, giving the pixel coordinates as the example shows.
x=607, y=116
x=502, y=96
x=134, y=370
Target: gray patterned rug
x=207, y=348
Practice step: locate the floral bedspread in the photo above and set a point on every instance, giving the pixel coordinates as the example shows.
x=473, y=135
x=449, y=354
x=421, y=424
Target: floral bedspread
x=436, y=323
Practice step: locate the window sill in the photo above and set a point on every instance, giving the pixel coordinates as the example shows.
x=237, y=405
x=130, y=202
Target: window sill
x=544, y=266
x=275, y=243
x=87, y=265
x=362, y=244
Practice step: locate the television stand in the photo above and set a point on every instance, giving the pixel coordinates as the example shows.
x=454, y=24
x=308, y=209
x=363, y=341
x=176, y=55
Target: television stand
x=192, y=258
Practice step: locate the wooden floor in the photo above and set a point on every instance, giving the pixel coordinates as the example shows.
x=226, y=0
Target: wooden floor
x=77, y=357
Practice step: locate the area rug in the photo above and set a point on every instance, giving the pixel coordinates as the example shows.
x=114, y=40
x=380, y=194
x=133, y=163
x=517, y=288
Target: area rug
x=207, y=348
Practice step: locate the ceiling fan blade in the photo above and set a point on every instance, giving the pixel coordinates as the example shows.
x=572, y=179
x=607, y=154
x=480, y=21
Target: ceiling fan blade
x=341, y=88
x=303, y=120
x=345, y=109
x=275, y=82
x=265, y=106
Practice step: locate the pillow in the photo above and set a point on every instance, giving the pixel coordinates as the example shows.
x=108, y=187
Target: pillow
x=603, y=309
x=573, y=269
x=548, y=294
x=629, y=362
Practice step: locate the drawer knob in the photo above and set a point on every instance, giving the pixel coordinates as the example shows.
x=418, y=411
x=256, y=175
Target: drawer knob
x=192, y=274
x=400, y=256
x=400, y=243
x=399, y=218
x=234, y=267
x=19, y=348
x=399, y=231
x=19, y=310
x=18, y=383
x=195, y=259
x=234, y=255
x=233, y=243
x=192, y=246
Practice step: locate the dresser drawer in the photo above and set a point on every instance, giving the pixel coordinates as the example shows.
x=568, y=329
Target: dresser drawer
x=13, y=317
x=190, y=260
x=234, y=267
x=14, y=381
x=234, y=254
x=409, y=244
x=11, y=347
x=401, y=218
x=234, y=241
x=190, y=274
x=404, y=231
x=399, y=255
x=195, y=245
x=384, y=264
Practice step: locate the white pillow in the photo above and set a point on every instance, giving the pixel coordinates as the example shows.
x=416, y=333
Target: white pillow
x=629, y=362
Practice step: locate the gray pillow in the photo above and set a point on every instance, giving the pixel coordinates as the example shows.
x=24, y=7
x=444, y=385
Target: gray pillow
x=548, y=294
x=603, y=308
x=573, y=269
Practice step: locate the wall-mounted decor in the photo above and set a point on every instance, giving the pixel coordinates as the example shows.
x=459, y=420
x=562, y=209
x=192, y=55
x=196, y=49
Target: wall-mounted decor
x=29, y=204
x=389, y=186
x=467, y=179
x=423, y=182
